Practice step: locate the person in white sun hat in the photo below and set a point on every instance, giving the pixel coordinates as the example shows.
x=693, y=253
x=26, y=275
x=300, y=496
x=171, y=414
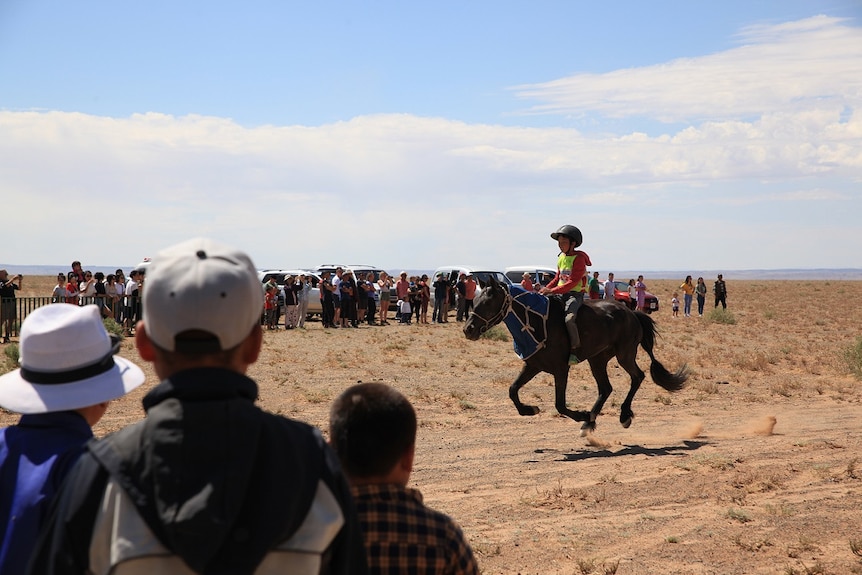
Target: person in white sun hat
x=68, y=375
x=207, y=482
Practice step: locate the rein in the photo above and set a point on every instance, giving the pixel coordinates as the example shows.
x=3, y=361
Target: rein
x=497, y=317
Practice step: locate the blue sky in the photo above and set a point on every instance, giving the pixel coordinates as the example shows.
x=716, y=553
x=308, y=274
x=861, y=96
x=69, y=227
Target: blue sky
x=676, y=135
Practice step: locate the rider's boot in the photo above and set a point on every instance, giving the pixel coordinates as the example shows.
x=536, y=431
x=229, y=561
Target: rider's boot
x=574, y=340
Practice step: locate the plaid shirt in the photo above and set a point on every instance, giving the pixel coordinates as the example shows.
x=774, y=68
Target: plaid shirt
x=402, y=535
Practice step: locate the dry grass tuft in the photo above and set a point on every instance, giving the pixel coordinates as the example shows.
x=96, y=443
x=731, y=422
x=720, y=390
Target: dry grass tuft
x=592, y=566
x=559, y=497
x=759, y=481
x=853, y=358
x=739, y=515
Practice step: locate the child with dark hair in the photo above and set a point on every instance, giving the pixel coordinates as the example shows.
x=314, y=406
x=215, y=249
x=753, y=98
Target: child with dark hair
x=373, y=431
x=60, y=293
x=270, y=302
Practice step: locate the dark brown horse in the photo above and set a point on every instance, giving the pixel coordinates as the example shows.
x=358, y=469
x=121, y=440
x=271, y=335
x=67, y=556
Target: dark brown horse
x=608, y=329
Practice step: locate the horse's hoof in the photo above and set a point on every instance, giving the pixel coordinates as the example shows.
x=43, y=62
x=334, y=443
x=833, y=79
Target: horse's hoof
x=626, y=423
x=528, y=410
x=582, y=416
x=588, y=428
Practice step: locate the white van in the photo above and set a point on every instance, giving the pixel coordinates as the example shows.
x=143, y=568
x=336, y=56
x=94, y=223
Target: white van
x=314, y=305
x=538, y=274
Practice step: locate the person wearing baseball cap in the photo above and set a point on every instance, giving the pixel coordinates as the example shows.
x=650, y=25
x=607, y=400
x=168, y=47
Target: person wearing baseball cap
x=208, y=482
x=68, y=375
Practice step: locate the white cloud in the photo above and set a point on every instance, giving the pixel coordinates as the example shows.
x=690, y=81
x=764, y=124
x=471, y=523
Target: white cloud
x=786, y=67
x=398, y=190
x=798, y=197
x=814, y=195
x=363, y=187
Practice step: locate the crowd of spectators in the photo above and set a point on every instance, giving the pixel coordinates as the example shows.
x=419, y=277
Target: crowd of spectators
x=114, y=295
x=347, y=301
x=207, y=482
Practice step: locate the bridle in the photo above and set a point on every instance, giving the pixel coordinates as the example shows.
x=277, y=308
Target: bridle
x=499, y=315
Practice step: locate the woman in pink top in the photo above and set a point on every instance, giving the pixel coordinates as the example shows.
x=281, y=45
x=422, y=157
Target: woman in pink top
x=640, y=288
x=526, y=282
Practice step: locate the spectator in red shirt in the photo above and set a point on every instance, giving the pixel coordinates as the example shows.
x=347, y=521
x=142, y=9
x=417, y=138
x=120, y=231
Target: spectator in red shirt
x=469, y=293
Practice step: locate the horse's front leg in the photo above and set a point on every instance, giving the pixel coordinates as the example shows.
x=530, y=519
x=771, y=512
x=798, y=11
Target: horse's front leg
x=561, y=382
x=599, y=367
x=527, y=373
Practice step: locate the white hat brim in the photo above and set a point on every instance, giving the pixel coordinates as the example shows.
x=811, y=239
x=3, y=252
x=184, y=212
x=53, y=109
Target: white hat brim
x=21, y=396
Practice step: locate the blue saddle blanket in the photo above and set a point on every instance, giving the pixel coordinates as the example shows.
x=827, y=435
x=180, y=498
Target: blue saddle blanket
x=527, y=321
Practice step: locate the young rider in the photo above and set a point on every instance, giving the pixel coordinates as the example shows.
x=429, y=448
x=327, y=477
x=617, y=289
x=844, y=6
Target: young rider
x=570, y=281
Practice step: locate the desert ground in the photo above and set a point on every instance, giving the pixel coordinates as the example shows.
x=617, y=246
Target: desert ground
x=753, y=468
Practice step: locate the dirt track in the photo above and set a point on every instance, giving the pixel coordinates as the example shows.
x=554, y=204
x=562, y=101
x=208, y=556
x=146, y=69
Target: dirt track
x=703, y=482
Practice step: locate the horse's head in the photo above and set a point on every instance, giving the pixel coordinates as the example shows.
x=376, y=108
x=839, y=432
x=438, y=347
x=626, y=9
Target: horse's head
x=490, y=306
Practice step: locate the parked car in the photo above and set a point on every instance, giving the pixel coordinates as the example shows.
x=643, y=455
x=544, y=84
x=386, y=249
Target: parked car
x=314, y=307
x=538, y=274
x=621, y=293
x=481, y=275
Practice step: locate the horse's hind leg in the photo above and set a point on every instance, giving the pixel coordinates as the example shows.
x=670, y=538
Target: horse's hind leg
x=527, y=373
x=629, y=364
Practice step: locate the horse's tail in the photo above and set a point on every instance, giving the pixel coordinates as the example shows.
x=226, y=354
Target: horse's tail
x=660, y=375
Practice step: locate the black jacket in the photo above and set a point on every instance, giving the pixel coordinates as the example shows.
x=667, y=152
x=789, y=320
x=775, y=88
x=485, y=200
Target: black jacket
x=219, y=482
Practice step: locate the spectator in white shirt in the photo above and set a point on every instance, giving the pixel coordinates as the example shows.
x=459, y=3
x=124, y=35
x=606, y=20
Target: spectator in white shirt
x=610, y=287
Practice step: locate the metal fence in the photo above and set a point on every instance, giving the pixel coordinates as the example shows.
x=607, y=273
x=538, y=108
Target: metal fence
x=124, y=311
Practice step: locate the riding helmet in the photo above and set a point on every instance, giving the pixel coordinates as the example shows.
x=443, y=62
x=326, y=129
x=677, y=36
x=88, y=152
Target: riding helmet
x=570, y=232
